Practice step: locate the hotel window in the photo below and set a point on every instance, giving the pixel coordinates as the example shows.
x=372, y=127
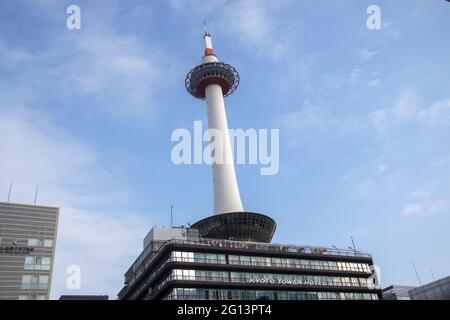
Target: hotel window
x=27, y=281
x=276, y=262
x=30, y=262
x=46, y=260
x=254, y=261
x=176, y=255
x=34, y=282
x=37, y=263
x=199, y=257
x=33, y=242
x=48, y=243
x=187, y=256
x=211, y=258
x=221, y=259
x=188, y=274
x=236, y=277
x=333, y=265
x=245, y=260
x=177, y=274
x=213, y=276
x=233, y=259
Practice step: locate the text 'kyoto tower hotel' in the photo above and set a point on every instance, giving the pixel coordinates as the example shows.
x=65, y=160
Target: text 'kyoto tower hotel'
x=229, y=255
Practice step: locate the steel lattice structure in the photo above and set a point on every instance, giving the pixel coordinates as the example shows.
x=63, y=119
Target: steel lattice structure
x=205, y=74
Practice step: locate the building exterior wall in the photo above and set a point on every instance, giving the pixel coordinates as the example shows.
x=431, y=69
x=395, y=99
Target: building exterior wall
x=436, y=290
x=27, y=248
x=396, y=292
x=222, y=269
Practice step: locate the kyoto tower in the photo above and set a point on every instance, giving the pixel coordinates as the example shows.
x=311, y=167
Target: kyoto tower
x=212, y=81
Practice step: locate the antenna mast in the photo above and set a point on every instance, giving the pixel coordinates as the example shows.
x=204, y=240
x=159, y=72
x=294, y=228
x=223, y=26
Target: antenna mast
x=417, y=274
x=36, y=194
x=9, y=193
x=353, y=243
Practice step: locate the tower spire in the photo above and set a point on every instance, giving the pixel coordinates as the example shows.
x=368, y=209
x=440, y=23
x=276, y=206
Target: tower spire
x=208, y=43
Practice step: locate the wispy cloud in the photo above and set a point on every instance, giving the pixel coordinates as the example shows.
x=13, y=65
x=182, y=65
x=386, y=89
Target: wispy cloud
x=374, y=83
x=409, y=109
x=115, y=75
x=366, y=54
x=381, y=168
x=420, y=209
x=96, y=231
x=340, y=81
x=312, y=120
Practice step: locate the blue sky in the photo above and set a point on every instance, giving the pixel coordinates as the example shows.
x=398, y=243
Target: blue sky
x=364, y=119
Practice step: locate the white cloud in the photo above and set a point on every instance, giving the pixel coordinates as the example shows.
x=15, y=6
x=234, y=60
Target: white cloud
x=200, y=5
x=421, y=193
x=312, y=120
x=366, y=54
x=249, y=20
x=255, y=25
x=374, y=83
x=381, y=168
x=10, y=57
x=420, y=209
x=437, y=114
x=338, y=82
x=413, y=209
x=118, y=74
x=102, y=244
x=408, y=109
x=363, y=188
x=95, y=231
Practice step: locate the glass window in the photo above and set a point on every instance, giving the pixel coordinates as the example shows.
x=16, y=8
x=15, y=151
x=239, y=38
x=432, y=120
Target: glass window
x=212, y=275
x=26, y=279
x=48, y=243
x=30, y=260
x=33, y=242
x=233, y=259
x=199, y=257
x=43, y=279
x=245, y=260
x=221, y=259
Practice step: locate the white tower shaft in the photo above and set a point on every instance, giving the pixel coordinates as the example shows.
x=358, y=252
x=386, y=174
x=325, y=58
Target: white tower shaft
x=226, y=190
x=212, y=80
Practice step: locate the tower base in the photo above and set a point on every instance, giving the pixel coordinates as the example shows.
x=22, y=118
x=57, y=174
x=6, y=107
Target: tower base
x=238, y=226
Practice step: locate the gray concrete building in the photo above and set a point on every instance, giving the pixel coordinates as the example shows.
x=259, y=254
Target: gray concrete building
x=27, y=248
x=436, y=290
x=396, y=292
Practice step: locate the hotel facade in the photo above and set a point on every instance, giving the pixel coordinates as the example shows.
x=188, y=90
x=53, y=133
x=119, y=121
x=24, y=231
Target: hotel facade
x=179, y=264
